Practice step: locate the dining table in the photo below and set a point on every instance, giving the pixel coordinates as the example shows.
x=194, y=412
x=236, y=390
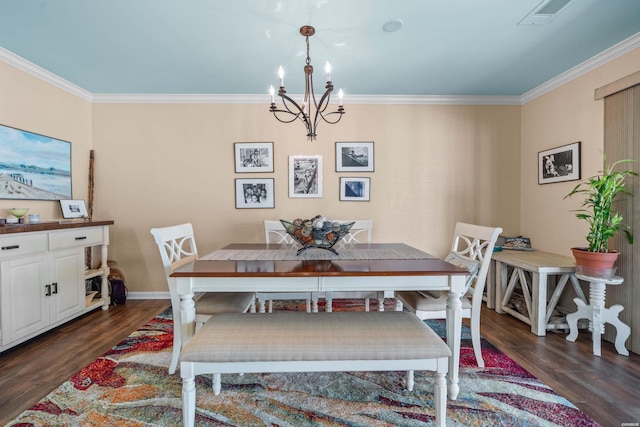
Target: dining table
x=381, y=267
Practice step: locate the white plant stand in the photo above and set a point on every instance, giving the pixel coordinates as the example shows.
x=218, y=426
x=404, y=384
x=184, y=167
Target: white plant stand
x=598, y=315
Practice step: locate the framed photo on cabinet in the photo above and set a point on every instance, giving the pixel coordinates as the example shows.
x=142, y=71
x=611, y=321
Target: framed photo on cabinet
x=355, y=189
x=354, y=157
x=253, y=157
x=305, y=176
x=255, y=193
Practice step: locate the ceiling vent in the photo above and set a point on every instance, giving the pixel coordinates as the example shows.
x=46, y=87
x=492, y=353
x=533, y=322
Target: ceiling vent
x=544, y=12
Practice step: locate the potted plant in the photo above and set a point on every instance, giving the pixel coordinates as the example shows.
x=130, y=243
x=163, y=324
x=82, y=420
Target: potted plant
x=600, y=192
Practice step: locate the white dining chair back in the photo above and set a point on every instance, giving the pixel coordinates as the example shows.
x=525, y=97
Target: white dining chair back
x=360, y=232
x=471, y=249
x=177, y=247
x=275, y=233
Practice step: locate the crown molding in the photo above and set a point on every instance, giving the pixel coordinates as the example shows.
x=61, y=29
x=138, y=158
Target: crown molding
x=591, y=64
x=264, y=99
x=42, y=74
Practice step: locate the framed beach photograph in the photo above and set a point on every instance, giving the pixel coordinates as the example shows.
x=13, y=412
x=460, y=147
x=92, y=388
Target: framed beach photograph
x=255, y=193
x=34, y=166
x=559, y=164
x=305, y=176
x=73, y=209
x=253, y=157
x=354, y=157
x=355, y=189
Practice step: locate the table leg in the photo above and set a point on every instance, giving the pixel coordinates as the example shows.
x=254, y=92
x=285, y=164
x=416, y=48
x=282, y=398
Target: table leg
x=187, y=317
x=454, y=334
x=539, y=287
x=501, y=281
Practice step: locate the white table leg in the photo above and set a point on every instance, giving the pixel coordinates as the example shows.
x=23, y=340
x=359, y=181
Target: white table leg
x=454, y=334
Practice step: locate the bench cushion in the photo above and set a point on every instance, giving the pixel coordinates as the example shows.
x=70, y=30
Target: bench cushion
x=299, y=336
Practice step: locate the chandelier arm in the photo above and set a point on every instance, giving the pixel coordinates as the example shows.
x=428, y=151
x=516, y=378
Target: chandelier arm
x=300, y=114
x=292, y=110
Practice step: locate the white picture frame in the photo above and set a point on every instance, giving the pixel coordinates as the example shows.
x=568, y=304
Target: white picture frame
x=305, y=176
x=253, y=157
x=256, y=193
x=354, y=157
x=73, y=209
x=355, y=189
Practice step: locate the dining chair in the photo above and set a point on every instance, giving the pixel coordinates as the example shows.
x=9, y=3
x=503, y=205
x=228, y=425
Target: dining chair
x=177, y=247
x=471, y=249
x=275, y=233
x=360, y=232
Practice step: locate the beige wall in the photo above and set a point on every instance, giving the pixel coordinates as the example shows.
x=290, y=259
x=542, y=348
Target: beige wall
x=565, y=115
x=30, y=104
x=158, y=165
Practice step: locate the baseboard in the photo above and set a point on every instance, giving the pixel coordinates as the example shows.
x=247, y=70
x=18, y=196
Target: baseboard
x=149, y=295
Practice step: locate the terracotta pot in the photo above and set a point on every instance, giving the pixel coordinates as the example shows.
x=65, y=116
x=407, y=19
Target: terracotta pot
x=598, y=264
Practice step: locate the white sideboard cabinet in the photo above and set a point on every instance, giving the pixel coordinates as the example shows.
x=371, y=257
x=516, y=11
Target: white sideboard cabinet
x=43, y=268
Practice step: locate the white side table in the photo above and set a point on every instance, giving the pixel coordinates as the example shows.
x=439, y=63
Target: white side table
x=598, y=315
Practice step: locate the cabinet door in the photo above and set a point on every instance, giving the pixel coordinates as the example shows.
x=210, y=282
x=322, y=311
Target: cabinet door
x=24, y=304
x=67, y=283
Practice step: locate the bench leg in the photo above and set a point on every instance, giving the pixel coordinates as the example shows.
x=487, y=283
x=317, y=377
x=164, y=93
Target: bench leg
x=189, y=402
x=440, y=397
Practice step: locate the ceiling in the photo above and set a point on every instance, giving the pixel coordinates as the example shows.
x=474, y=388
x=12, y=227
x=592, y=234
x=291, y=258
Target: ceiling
x=444, y=47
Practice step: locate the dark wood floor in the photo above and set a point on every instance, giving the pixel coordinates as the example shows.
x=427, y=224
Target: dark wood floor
x=607, y=388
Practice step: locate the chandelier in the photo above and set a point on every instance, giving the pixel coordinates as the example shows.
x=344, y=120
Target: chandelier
x=310, y=111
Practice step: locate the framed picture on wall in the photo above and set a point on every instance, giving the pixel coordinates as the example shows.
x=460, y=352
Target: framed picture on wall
x=253, y=157
x=33, y=166
x=255, y=193
x=354, y=157
x=305, y=176
x=355, y=189
x=559, y=164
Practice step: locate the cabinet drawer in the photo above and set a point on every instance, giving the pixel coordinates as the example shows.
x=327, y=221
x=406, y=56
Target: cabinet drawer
x=12, y=246
x=77, y=237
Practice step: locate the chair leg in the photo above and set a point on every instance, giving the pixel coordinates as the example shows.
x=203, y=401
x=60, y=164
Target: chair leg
x=217, y=384
x=409, y=382
x=177, y=344
x=475, y=340
x=366, y=304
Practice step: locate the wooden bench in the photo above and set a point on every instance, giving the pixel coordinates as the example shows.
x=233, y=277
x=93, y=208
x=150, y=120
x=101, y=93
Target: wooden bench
x=313, y=342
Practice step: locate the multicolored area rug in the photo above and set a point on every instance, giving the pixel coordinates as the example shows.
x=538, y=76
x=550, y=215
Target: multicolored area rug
x=130, y=386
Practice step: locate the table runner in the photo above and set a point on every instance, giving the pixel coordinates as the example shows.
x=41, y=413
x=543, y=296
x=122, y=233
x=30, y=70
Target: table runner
x=289, y=254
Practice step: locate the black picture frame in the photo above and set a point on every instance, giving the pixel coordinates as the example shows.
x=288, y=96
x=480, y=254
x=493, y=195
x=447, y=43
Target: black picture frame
x=559, y=164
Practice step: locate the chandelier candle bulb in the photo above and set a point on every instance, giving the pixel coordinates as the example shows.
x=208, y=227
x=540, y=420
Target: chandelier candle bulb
x=272, y=92
x=281, y=75
x=327, y=70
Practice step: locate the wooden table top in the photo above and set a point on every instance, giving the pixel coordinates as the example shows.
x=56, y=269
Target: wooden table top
x=318, y=268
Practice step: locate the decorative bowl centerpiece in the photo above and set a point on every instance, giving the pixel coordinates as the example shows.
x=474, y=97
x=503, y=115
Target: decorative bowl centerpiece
x=317, y=232
x=18, y=212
